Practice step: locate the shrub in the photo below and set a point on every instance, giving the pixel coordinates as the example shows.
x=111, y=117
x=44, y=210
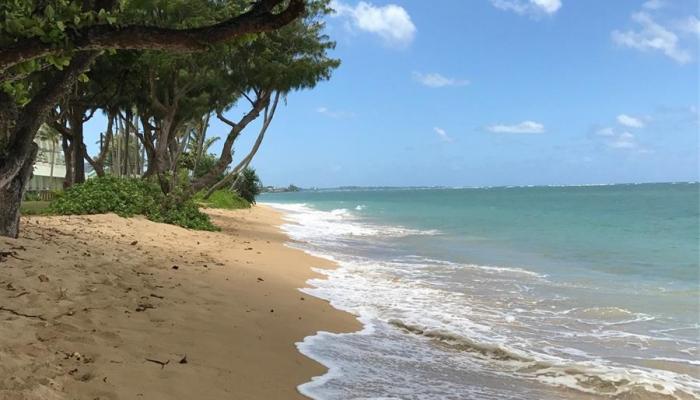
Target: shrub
x=225, y=199
x=124, y=197
x=248, y=185
x=128, y=197
x=185, y=214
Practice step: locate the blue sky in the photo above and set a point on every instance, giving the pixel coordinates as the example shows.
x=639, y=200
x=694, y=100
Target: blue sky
x=495, y=92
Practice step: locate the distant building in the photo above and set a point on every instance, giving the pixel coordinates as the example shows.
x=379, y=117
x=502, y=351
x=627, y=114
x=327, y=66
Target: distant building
x=49, y=168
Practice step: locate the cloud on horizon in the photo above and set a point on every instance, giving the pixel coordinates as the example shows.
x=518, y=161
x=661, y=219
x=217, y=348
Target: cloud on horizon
x=390, y=22
x=522, y=127
x=436, y=80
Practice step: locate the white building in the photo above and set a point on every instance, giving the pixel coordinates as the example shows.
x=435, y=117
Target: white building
x=49, y=168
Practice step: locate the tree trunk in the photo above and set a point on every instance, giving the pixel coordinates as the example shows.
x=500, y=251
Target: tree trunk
x=127, y=132
x=18, y=130
x=76, y=125
x=53, y=158
x=68, y=159
x=12, y=194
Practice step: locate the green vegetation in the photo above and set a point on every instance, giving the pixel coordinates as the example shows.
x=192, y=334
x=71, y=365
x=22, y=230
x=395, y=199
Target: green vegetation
x=223, y=198
x=158, y=70
x=35, y=207
x=127, y=197
x=248, y=185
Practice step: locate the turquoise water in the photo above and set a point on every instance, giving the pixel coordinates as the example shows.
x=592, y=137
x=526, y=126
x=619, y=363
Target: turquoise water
x=533, y=292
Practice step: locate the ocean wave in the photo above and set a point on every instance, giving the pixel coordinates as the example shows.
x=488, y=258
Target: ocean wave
x=593, y=377
x=496, y=316
x=310, y=224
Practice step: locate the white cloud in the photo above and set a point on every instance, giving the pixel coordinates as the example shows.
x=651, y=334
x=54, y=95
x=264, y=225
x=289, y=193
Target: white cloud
x=532, y=7
x=548, y=6
x=523, y=127
x=390, y=22
x=435, y=80
x=625, y=140
x=443, y=135
x=652, y=36
x=690, y=24
x=653, y=4
x=629, y=121
x=605, y=132
x=332, y=113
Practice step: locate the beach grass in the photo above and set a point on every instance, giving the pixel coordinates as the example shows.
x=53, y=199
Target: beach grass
x=223, y=199
x=35, y=207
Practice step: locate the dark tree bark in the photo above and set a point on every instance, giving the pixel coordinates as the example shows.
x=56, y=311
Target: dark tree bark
x=77, y=144
x=102, y=37
x=19, y=151
x=12, y=194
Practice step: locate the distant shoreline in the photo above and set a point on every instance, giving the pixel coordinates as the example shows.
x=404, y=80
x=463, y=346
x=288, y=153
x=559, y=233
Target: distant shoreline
x=369, y=188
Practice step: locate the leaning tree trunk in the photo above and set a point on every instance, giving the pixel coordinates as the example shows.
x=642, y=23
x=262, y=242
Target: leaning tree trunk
x=12, y=194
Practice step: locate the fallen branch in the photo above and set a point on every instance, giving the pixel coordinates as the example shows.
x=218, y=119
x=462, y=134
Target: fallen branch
x=161, y=363
x=19, y=314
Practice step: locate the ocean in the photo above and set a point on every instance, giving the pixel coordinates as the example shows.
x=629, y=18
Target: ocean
x=585, y=292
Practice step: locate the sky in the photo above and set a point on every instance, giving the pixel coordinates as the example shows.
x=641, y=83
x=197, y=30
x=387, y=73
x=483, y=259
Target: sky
x=494, y=92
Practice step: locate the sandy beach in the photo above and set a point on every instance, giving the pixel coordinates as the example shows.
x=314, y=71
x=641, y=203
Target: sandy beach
x=103, y=307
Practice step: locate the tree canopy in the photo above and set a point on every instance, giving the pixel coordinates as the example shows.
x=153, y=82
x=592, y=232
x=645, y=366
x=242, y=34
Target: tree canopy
x=158, y=69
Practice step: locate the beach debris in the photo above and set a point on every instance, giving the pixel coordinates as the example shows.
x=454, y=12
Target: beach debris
x=272, y=310
x=143, y=307
x=85, y=359
x=134, y=243
x=248, y=248
x=43, y=278
x=13, y=254
x=157, y=296
x=302, y=299
x=21, y=314
x=175, y=267
x=161, y=363
x=261, y=279
x=183, y=360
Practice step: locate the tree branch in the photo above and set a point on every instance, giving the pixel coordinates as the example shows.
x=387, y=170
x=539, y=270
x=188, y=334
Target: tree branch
x=35, y=112
x=101, y=37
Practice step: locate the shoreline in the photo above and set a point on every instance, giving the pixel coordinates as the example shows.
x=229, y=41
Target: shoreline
x=100, y=306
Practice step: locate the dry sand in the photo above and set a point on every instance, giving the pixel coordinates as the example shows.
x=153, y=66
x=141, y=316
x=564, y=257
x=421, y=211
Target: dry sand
x=87, y=301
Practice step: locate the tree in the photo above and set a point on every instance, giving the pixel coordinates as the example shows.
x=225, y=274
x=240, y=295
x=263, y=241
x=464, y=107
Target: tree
x=248, y=185
x=46, y=46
